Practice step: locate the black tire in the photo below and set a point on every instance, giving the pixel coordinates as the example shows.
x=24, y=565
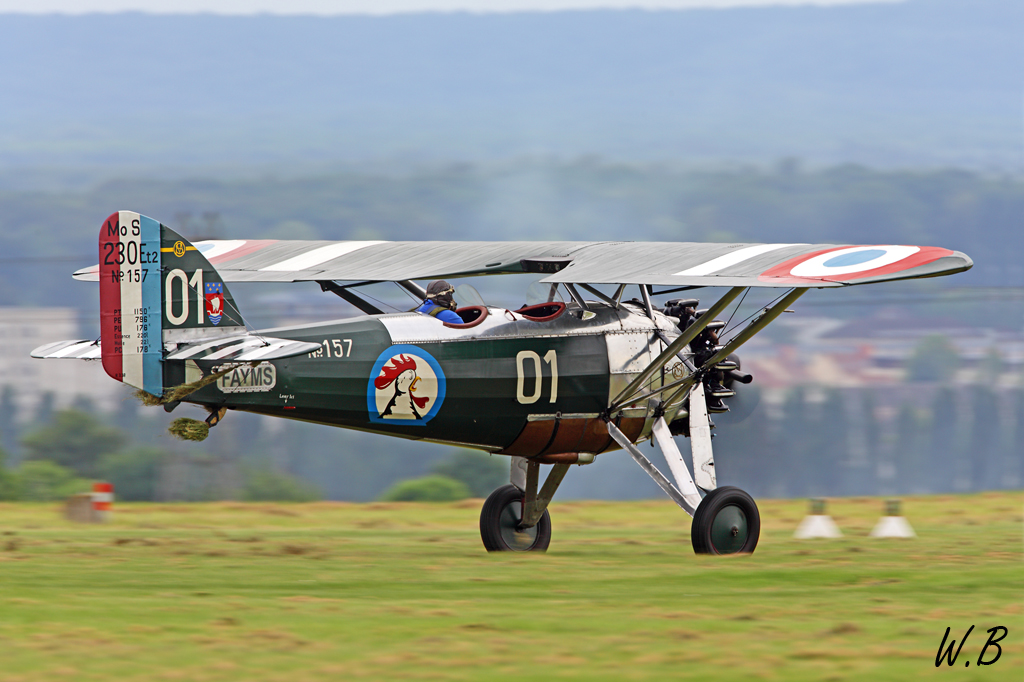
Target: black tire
x=726, y=522
x=499, y=524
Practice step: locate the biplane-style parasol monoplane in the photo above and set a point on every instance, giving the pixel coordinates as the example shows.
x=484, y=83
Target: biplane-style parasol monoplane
x=557, y=382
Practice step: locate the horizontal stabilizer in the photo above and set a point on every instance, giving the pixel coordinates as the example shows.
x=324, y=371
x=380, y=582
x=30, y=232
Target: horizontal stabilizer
x=242, y=348
x=80, y=349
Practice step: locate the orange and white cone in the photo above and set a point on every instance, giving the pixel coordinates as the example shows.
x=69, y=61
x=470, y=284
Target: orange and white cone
x=102, y=500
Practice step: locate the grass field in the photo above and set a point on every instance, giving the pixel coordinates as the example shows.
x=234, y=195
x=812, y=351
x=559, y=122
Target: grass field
x=405, y=591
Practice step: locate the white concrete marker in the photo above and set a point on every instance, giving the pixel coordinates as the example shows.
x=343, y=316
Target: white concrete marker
x=817, y=524
x=893, y=525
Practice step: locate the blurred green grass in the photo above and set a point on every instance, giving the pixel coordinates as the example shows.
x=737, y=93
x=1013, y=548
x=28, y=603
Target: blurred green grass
x=231, y=591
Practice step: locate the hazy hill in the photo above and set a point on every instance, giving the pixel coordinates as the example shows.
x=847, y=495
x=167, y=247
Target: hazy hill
x=934, y=82
x=582, y=200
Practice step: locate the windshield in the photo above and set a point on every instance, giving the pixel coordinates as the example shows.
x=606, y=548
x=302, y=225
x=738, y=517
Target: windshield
x=466, y=294
x=542, y=292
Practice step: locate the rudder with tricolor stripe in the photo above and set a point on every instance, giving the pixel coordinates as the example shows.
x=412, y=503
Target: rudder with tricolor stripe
x=130, y=301
x=155, y=287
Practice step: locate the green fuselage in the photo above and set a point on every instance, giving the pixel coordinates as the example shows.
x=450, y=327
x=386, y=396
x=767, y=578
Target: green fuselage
x=409, y=375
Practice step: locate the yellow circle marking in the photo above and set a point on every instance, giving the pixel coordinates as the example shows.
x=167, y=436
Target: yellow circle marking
x=179, y=249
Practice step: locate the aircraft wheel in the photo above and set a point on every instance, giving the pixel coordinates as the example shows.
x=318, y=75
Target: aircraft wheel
x=499, y=524
x=726, y=522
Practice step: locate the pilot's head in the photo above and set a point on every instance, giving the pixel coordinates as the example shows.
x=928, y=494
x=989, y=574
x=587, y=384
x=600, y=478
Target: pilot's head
x=440, y=292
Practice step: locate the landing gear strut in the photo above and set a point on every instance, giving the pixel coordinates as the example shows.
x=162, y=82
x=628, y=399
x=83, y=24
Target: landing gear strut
x=726, y=520
x=515, y=517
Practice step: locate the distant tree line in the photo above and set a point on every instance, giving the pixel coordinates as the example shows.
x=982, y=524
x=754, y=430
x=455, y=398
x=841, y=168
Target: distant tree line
x=817, y=441
x=586, y=199
x=75, y=447
x=58, y=452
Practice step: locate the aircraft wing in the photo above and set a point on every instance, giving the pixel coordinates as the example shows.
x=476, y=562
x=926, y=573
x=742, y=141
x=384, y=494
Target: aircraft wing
x=759, y=265
x=656, y=263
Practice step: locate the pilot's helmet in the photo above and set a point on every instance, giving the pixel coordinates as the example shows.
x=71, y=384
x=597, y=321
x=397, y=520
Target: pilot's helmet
x=440, y=292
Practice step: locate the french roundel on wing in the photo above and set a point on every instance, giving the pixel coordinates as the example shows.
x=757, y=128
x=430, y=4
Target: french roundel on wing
x=846, y=263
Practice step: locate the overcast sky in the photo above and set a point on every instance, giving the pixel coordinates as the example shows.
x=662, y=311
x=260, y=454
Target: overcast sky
x=332, y=7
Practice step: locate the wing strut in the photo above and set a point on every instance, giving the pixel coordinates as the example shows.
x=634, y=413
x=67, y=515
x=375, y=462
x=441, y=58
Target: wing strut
x=645, y=292
x=607, y=299
x=689, y=334
x=413, y=288
x=576, y=296
x=335, y=288
x=759, y=322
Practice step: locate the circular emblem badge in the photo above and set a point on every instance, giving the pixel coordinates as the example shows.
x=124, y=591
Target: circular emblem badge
x=854, y=259
x=850, y=263
x=406, y=386
x=179, y=249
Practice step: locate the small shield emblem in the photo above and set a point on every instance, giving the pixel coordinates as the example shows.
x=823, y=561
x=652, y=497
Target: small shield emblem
x=214, y=301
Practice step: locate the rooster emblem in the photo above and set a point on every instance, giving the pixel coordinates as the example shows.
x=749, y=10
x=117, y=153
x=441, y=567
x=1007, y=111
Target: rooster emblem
x=400, y=373
x=406, y=386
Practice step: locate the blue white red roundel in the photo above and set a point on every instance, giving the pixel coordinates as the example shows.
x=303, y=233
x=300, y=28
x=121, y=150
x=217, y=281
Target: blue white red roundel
x=845, y=263
x=850, y=260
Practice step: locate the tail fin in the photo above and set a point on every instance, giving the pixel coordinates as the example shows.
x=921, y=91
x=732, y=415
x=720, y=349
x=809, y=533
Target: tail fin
x=155, y=287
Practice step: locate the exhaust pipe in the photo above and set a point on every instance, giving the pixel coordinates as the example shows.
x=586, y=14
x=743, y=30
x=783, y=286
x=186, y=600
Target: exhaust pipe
x=565, y=458
x=742, y=377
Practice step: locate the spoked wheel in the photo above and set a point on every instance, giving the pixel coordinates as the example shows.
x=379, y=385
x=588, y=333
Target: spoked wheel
x=499, y=524
x=726, y=522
